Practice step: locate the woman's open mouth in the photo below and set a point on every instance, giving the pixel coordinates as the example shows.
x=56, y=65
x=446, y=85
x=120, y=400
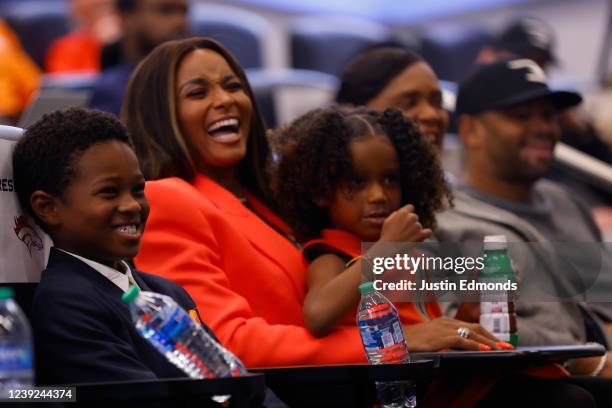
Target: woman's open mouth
x=225, y=131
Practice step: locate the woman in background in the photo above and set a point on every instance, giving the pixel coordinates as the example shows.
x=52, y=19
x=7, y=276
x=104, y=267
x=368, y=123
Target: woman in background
x=393, y=77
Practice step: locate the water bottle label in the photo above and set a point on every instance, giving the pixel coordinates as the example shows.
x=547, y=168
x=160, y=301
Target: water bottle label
x=494, y=296
x=398, y=332
x=178, y=323
x=495, y=322
x=494, y=307
x=387, y=339
x=15, y=357
x=381, y=336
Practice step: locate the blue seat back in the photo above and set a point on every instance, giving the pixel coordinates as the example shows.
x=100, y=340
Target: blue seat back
x=452, y=49
x=241, y=32
x=327, y=43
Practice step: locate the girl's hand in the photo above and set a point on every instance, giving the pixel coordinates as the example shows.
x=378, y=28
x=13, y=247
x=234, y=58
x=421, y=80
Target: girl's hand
x=403, y=226
x=441, y=333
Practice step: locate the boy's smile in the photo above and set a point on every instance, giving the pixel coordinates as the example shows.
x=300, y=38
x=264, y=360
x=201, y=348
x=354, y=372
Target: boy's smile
x=102, y=213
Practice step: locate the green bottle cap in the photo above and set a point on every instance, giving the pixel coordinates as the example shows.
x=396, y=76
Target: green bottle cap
x=132, y=293
x=6, y=293
x=366, y=288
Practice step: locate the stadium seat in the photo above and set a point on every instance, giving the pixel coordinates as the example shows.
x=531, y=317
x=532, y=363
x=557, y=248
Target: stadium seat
x=452, y=49
x=70, y=80
x=241, y=31
x=326, y=43
x=24, y=247
x=284, y=94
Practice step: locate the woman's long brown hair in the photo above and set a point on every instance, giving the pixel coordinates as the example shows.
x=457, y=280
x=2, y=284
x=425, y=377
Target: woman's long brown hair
x=150, y=113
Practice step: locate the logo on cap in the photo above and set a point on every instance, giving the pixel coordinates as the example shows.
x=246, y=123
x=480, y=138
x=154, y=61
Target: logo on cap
x=534, y=72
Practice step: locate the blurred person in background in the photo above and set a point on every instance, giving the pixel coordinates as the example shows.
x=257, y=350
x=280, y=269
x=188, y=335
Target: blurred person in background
x=508, y=123
x=96, y=23
x=534, y=39
x=393, y=77
x=145, y=25
x=19, y=76
x=390, y=76
x=528, y=38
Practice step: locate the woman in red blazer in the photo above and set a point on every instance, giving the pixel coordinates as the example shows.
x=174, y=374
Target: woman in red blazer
x=198, y=133
x=210, y=227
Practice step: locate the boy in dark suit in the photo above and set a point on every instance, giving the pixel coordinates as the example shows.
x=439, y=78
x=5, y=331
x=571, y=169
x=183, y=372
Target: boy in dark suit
x=76, y=173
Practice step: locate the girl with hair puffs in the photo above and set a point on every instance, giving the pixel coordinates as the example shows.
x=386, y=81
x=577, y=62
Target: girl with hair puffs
x=348, y=176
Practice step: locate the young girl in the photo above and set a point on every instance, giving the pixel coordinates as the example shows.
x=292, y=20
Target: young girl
x=348, y=176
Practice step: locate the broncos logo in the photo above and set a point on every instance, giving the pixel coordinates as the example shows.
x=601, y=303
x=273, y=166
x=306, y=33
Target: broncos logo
x=27, y=234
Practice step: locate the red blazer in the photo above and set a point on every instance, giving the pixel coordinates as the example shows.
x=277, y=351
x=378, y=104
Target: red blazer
x=247, y=280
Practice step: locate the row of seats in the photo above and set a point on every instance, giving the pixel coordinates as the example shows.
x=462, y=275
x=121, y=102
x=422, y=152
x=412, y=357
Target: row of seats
x=316, y=43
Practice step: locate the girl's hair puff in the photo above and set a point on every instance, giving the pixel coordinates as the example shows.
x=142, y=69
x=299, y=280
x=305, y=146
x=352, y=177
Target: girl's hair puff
x=315, y=161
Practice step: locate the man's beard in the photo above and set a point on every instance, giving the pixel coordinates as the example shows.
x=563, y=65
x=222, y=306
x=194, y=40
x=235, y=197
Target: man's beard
x=521, y=172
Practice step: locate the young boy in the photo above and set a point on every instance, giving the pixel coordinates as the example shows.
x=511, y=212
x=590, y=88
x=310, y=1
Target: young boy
x=76, y=173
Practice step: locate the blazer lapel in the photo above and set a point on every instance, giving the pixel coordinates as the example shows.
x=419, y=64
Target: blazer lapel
x=273, y=245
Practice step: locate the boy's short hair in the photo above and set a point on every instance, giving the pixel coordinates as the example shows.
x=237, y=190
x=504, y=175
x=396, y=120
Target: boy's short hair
x=44, y=156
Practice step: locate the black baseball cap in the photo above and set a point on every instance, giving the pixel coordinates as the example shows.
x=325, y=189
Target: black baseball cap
x=506, y=83
x=528, y=37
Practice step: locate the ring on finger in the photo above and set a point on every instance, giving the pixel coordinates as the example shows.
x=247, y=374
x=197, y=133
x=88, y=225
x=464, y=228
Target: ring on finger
x=463, y=332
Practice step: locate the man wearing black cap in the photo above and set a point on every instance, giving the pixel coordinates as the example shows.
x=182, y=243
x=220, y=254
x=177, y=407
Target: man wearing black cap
x=532, y=38
x=507, y=119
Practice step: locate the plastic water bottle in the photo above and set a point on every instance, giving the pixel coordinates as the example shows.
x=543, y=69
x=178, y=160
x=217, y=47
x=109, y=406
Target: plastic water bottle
x=384, y=343
x=172, y=331
x=16, y=369
x=497, y=314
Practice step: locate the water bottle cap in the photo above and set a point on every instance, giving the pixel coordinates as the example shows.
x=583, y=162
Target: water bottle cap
x=366, y=288
x=6, y=293
x=132, y=293
x=495, y=242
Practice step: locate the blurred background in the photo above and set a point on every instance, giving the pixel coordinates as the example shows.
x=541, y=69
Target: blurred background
x=320, y=35
x=293, y=51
